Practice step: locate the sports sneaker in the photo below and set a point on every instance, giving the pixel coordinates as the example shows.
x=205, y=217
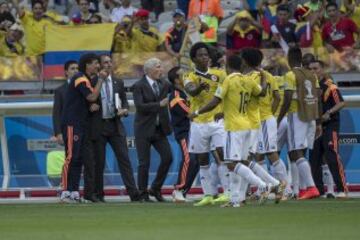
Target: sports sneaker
x=75, y=197
x=178, y=196
x=222, y=198
x=65, y=197
x=311, y=192
x=279, y=191
x=264, y=193
x=342, y=195
x=207, y=200
x=301, y=193
x=230, y=204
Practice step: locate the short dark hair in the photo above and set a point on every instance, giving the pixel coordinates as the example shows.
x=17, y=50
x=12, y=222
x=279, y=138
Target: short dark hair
x=294, y=57
x=215, y=54
x=234, y=62
x=196, y=47
x=34, y=2
x=172, y=74
x=87, y=59
x=7, y=16
x=252, y=56
x=68, y=63
x=332, y=4
x=283, y=7
x=307, y=58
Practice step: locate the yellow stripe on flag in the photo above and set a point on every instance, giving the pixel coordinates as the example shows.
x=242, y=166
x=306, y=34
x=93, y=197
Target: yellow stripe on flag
x=94, y=37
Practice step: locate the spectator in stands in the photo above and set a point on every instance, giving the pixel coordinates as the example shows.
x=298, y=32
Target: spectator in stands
x=283, y=31
x=183, y=5
x=10, y=41
x=53, y=14
x=243, y=32
x=156, y=6
x=4, y=6
x=117, y=13
x=85, y=14
x=352, y=10
x=94, y=19
x=338, y=32
x=174, y=37
x=6, y=21
x=34, y=25
x=211, y=14
x=144, y=38
x=308, y=29
x=267, y=11
x=122, y=41
x=314, y=5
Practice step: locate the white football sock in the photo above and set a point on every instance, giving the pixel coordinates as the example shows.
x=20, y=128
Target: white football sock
x=248, y=175
x=295, y=177
x=214, y=179
x=243, y=188
x=305, y=172
x=205, y=180
x=264, y=175
x=328, y=179
x=280, y=170
x=223, y=173
x=234, y=187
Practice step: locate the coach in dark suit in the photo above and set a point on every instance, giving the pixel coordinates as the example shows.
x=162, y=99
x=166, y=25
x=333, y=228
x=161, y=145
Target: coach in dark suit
x=70, y=68
x=151, y=127
x=107, y=127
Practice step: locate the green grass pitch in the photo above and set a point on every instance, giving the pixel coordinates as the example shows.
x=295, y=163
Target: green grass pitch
x=315, y=219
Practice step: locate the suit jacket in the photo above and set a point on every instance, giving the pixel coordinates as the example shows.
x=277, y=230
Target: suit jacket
x=148, y=108
x=59, y=101
x=96, y=121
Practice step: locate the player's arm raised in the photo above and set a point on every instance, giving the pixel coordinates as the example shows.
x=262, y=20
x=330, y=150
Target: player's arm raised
x=263, y=84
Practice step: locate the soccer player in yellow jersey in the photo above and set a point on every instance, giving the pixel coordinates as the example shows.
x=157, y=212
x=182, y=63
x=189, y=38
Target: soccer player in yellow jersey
x=301, y=134
x=235, y=93
x=267, y=136
x=206, y=134
x=252, y=59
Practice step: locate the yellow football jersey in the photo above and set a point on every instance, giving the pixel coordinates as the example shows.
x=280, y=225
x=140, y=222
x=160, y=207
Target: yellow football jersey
x=290, y=84
x=265, y=102
x=213, y=77
x=236, y=92
x=281, y=86
x=253, y=106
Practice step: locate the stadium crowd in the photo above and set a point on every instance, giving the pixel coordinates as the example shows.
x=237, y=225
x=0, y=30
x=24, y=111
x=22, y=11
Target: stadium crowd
x=229, y=106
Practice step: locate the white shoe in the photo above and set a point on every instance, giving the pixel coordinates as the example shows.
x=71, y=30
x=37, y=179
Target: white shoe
x=65, y=197
x=75, y=197
x=341, y=195
x=178, y=196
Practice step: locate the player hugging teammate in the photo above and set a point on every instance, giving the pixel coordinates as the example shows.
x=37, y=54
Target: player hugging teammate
x=249, y=100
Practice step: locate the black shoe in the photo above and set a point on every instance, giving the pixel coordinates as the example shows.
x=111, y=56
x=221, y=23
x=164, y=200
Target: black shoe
x=157, y=195
x=101, y=199
x=145, y=198
x=330, y=196
x=91, y=199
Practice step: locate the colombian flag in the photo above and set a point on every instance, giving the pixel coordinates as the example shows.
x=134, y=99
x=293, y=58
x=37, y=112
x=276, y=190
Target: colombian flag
x=64, y=43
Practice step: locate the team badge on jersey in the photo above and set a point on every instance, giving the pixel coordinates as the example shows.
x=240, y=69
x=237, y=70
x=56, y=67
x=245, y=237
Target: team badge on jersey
x=214, y=78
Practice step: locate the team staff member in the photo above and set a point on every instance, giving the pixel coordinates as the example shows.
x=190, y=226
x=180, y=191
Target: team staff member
x=79, y=99
x=151, y=127
x=328, y=144
x=179, y=110
x=107, y=127
x=71, y=68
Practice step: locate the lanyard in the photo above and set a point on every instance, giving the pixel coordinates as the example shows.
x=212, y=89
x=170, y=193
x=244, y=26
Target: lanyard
x=200, y=7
